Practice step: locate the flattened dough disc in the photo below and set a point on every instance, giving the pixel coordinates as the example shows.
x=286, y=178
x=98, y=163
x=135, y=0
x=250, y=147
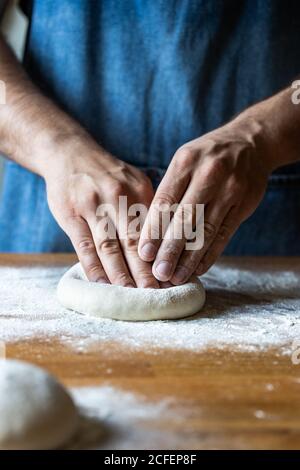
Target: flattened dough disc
x=75, y=292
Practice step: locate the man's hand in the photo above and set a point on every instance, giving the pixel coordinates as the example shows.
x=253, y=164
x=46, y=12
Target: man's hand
x=79, y=181
x=227, y=171
x=79, y=175
x=224, y=170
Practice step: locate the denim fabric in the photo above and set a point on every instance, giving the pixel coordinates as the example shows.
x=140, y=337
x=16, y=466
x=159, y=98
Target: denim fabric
x=274, y=228
x=146, y=76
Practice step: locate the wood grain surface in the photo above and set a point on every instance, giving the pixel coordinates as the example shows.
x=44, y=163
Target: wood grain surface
x=223, y=397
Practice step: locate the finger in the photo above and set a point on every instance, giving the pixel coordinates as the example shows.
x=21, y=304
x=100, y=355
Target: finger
x=129, y=228
x=165, y=285
x=215, y=213
x=141, y=270
x=224, y=234
x=168, y=193
x=110, y=253
x=170, y=249
x=200, y=192
x=82, y=240
x=180, y=229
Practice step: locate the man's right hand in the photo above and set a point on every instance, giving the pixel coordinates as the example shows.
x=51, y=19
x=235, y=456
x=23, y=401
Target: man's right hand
x=81, y=178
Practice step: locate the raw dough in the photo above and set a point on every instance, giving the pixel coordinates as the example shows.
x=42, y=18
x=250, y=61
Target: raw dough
x=126, y=303
x=36, y=412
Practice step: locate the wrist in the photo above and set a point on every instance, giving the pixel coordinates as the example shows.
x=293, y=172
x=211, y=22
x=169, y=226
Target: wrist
x=74, y=153
x=57, y=150
x=255, y=129
x=277, y=123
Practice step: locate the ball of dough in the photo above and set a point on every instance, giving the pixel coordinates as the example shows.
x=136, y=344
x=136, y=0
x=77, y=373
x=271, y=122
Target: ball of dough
x=36, y=412
x=125, y=303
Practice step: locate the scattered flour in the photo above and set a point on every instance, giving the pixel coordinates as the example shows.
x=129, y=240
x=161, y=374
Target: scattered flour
x=246, y=310
x=115, y=419
x=270, y=387
x=260, y=414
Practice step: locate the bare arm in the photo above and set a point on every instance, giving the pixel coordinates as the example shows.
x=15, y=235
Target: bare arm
x=30, y=124
x=227, y=170
x=279, y=121
x=80, y=175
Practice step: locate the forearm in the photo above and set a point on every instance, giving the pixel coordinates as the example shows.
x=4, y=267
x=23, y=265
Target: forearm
x=278, y=124
x=32, y=127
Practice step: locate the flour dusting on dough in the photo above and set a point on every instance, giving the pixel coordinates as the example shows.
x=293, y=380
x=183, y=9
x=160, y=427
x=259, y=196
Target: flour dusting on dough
x=245, y=309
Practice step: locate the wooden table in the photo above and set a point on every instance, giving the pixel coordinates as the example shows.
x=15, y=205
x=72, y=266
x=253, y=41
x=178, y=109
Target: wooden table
x=215, y=391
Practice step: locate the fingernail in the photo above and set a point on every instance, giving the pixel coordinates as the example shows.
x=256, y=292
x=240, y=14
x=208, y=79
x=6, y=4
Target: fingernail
x=164, y=269
x=181, y=274
x=148, y=250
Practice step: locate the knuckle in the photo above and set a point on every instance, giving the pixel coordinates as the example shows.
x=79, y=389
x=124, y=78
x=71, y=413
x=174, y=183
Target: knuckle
x=215, y=168
x=84, y=201
x=144, y=184
x=220, y=165
x=131, y=243
x=165, y=199
x=184, y=158
x=215, y=145
x=185, y=213
x=94, y=271
x=117, y=189
x=236, y=187
x=223, y=233
x=86, y=246
x=209, y=231
x=186, y=154
x=109, y=247
x=91, y=199
x=72, y=220
x=122, y=279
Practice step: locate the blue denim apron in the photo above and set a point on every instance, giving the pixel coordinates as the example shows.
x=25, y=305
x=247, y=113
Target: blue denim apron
x=146, y=76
